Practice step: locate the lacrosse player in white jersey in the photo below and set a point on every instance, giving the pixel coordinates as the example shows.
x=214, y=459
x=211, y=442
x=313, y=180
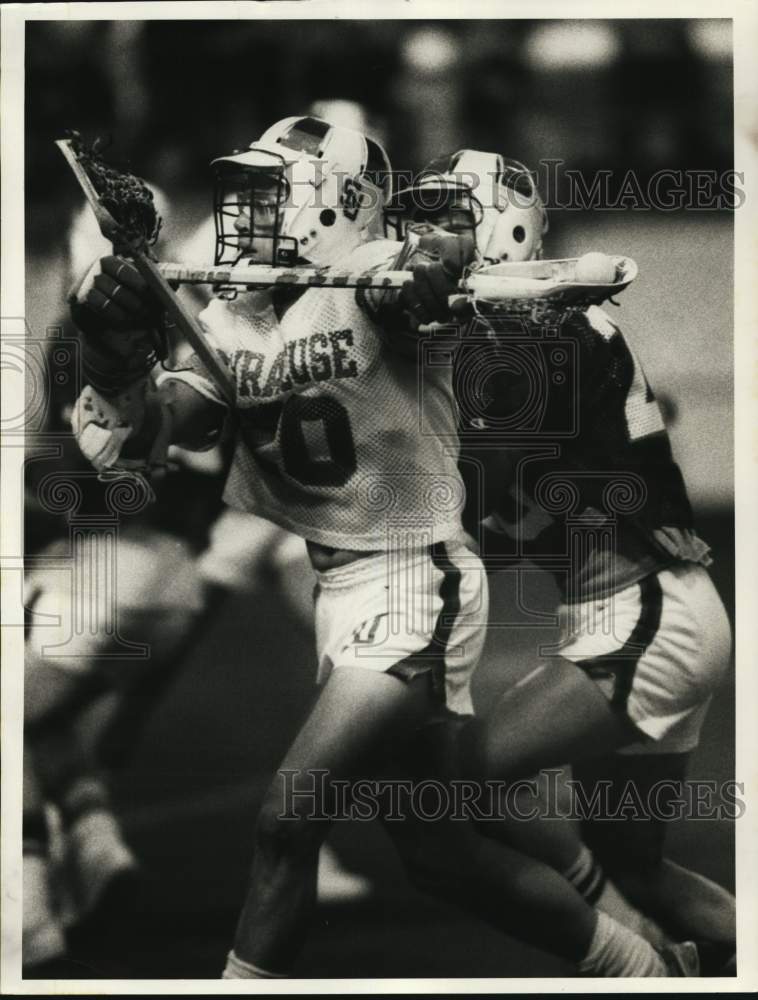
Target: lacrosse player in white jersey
x=645, y=635
x=329, y=447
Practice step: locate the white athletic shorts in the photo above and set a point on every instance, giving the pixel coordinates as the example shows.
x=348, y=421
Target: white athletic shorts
x=657, y=650
x=407, y=612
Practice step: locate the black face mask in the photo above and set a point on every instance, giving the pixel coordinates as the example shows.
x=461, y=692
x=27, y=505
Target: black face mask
x=455, y=210
x=240, y=192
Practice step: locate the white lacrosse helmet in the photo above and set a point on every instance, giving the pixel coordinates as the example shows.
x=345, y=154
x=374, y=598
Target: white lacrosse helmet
x=486, y=191
x=309, y=188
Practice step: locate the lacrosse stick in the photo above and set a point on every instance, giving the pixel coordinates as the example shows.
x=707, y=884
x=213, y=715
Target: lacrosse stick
x=525, y=288
x=525, y=279
x=124, y=209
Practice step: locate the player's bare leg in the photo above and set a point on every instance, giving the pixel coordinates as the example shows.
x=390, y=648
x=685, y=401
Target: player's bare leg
x=535, y=818
x=449, y=858
x=357, y=716
x=526, y=899
x=556, y=714
x=43, y=938
x=69, y=779
x=692, y=905
x=516, y=894
x=685, y=902
x=559, y=714
x=519, y=895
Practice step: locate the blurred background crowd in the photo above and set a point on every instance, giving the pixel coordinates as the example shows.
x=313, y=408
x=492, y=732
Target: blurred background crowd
x=615, y=95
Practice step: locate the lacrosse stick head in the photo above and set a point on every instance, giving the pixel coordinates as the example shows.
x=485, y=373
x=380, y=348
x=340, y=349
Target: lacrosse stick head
x=543, y=291
x=123, y=204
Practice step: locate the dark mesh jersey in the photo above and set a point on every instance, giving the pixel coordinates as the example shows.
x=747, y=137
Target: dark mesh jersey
x=565, y=448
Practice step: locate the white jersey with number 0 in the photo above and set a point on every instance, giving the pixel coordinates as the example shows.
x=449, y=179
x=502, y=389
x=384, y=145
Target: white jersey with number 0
x=337, y=439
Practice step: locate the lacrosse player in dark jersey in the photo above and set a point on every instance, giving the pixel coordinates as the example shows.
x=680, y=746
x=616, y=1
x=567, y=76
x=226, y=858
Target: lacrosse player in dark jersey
x=573, y=470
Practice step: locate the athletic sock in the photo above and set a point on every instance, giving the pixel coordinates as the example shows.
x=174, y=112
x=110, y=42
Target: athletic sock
x=589, y=879
x=586, y=875
x=42, y=931
x=236, y=968
x=617, y=952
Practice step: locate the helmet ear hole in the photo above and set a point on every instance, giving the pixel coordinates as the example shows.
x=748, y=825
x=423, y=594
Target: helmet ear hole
x=519, y=234
x=328, y=217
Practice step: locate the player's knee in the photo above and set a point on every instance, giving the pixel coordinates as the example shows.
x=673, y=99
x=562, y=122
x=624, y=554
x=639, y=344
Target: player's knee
x=486, y=754
x=288, y=832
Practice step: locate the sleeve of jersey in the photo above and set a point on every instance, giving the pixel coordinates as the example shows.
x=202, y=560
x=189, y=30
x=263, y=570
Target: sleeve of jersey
x=595, y=337
x=601, y=322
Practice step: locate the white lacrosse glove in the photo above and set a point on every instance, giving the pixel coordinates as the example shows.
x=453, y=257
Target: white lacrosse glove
x=103, y=426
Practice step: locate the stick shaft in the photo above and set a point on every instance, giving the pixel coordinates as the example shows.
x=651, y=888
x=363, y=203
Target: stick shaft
x=516, y=282
x=188, y=325
x=263, y=276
